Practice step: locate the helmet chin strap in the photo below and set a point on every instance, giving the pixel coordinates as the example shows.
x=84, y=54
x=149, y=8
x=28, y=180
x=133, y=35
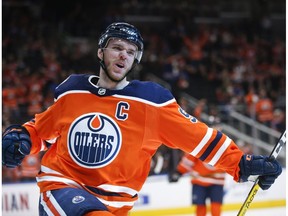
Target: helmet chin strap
x=102, y=64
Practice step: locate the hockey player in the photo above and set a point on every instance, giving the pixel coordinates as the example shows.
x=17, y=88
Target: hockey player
x=103, y=131
x=207, y=181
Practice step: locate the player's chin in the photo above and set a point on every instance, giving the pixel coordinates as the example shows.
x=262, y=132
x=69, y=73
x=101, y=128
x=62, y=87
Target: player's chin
x=117, y=77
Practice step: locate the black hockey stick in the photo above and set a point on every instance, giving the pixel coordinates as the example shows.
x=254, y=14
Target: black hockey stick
x=274, y=154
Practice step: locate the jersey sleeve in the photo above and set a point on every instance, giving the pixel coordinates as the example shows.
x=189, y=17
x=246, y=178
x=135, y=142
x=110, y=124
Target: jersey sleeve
x=179, y=129
x=44, y=128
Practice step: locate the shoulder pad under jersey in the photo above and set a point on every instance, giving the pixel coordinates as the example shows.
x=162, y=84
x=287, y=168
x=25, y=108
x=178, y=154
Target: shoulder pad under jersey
x=73, y=82
x=149, y=91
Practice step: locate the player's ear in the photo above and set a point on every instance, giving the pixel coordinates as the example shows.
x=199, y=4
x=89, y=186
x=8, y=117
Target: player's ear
x=100, y=54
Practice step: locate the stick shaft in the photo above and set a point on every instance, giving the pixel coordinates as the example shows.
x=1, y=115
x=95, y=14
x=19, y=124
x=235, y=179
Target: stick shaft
x=249, y=199
x=274, y=154
x=277, y=148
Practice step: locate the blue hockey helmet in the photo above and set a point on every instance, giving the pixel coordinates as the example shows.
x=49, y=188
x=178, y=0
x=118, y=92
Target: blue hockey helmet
x=124, y=31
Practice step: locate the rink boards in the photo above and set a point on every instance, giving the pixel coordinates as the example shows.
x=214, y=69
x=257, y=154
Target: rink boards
x=157, y=197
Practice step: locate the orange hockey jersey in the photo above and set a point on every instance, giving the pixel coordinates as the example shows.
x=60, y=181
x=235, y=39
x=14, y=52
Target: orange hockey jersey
x=103, y=140
x=202, y=174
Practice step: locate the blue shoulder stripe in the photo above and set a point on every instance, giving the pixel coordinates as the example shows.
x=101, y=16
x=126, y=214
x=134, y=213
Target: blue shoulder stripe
x=73, y=82
x=144, y=91
x=148, y=91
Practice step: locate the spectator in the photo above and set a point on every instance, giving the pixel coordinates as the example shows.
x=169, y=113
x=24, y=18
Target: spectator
x=245, y=147
x=200, y=107
x=251, y=98
x=278, y=120
x=195, y=44
x=9, y=175
x=264, y=108
x=29, y=167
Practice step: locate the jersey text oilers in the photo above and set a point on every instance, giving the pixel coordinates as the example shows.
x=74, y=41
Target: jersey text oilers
x=103, y=140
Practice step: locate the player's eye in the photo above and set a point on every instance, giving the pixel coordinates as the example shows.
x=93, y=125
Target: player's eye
x=118, y=48
x=131, y=52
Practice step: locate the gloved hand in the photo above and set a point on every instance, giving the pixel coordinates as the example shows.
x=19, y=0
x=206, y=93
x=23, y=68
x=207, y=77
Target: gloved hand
x=174, y=176
x=268, y=170
x=16, y=144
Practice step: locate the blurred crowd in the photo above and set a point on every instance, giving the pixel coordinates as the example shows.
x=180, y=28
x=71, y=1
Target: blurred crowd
x=232, y=65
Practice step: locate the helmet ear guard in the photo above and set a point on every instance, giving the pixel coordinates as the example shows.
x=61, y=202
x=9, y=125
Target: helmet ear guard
x=124, y=31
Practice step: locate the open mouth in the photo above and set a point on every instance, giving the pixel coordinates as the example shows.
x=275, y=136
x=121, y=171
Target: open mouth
x=120, y=65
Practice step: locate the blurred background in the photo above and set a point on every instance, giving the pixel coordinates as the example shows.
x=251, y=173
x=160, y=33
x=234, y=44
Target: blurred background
x=223, y=60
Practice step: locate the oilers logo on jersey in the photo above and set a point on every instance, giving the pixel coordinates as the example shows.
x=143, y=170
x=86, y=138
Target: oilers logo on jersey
x=94, y=140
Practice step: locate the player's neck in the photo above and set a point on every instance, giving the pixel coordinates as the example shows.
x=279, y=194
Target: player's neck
x=105, y=82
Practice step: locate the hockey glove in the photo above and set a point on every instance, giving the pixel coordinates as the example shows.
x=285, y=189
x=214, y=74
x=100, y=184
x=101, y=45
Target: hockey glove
x=267, y=170
x=16, y=144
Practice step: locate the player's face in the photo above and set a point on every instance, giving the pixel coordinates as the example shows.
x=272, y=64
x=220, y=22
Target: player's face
x=119, y=56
